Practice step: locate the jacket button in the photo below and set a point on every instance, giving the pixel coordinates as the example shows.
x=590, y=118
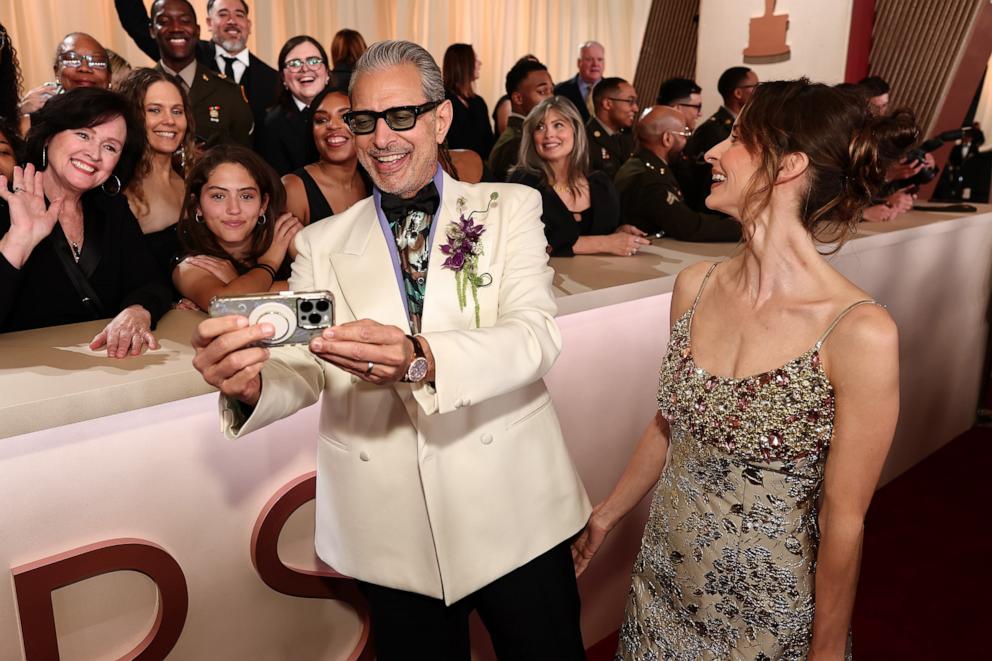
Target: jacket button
x=459, y=403
x=487, y=439
x=364, y=456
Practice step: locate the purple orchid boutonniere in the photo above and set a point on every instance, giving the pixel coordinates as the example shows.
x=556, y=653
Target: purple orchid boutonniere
x=463, y=249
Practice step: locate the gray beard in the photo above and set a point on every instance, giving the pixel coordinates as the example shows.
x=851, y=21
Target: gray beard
x=232, y=46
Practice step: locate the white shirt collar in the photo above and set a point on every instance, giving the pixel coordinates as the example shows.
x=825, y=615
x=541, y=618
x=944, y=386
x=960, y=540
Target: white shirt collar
x=299, y=104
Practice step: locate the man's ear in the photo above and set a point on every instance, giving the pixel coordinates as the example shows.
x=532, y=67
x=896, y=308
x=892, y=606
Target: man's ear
x=442, y=120
x=516, y=99
x=793, y=165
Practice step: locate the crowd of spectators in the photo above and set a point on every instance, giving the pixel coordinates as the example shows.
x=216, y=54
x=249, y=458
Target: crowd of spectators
x=162, y=185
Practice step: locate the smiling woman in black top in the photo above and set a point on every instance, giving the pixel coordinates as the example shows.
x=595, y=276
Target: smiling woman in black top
x=82, y=256
x=581, y=209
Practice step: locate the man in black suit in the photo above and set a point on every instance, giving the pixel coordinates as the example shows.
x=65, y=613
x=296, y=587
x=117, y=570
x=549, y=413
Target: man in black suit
x=735, y=85
x=578, y=90
x=230, y=28
x=611, y=141
x=220, y=110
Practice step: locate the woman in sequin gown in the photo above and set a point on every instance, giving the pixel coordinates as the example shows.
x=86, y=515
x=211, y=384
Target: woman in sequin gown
x=777, y=403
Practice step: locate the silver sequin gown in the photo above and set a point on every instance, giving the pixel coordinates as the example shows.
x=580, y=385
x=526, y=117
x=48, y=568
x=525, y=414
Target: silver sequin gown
x=727, y=561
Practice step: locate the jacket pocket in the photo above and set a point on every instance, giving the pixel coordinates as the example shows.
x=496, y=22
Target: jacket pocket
x=530, y=410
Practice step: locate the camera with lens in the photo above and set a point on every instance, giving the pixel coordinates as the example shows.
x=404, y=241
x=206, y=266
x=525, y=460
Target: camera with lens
x=296, y=316
x=918, y=155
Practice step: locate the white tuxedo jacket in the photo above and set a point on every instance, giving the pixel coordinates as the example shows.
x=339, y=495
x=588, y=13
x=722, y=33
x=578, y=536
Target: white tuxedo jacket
x=435, y=491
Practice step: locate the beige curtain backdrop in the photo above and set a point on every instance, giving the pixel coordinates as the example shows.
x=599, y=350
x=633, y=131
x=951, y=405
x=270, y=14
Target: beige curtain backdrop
x=500, y=30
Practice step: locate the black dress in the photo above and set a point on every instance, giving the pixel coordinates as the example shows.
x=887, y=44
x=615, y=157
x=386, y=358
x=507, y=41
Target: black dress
x=319, y=206
x=560, y=226
x=470, y=127
x=115, y=260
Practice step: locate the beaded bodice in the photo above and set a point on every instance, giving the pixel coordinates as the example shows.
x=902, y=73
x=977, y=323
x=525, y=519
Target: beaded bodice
x=784, y=415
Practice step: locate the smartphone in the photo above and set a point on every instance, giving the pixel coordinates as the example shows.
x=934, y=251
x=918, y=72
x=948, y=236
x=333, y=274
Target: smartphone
x=297, y=316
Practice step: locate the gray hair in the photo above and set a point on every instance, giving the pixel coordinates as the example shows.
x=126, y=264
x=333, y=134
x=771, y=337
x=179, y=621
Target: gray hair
x=385, y=54
x=578, y=161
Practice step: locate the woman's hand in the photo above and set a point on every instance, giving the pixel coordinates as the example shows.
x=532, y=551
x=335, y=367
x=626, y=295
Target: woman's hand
x=878, y=213
x=588, y=542
x=221, y=269
x=36, y=98
x=286, y=227
x=30, y=221
x=630, y=229
x=130, y=331
x=623, y=243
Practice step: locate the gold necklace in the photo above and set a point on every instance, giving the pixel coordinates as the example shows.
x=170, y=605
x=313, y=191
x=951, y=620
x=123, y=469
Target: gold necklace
x=561, y=188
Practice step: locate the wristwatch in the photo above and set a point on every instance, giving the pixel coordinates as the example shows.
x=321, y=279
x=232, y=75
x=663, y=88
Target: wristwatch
x=417, y=370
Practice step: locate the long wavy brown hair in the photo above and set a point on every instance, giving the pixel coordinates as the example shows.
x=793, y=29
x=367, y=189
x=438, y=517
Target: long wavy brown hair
x=848, y=151
x=134, y=88
x=196, y=237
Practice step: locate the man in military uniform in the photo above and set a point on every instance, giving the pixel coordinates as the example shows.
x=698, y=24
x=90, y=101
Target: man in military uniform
x=735, y=85
x=650, y=196
x=611, y=141
x=221, y=113
x=527, y=83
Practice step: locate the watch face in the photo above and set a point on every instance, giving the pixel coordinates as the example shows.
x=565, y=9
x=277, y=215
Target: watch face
x=417, y=370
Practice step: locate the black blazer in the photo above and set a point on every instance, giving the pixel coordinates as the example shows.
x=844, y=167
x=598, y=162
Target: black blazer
x=470, y=127
x=261, y=82
x=283, y=140
x=560, y=227
x=115, y=261
x=570, y=90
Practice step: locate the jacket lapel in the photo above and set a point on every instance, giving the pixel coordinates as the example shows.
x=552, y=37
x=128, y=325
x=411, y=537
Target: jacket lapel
x=364, y=270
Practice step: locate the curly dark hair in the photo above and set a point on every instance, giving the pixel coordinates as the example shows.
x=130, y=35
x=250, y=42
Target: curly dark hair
x=196, y=237
x=10, y=77
x=848, y=150
x=134, y=88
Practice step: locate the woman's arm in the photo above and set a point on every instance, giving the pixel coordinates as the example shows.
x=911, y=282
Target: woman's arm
x=641, y=473
x=296, y=198
x=199, y=284
x=863, y=363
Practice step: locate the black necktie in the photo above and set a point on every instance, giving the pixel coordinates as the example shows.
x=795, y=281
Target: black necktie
x=229, y=67
x=396, y=208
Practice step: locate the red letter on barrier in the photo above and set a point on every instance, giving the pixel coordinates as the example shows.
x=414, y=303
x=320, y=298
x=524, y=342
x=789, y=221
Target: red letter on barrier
x=35, y=581
x=321, y=584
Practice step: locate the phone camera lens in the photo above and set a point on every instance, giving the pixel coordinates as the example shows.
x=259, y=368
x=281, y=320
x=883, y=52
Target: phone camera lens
x=314, y=318
x=306, y=306
x=323, y=305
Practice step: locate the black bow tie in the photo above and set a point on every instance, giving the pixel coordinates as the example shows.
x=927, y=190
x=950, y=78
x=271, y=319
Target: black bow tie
x=396, y=208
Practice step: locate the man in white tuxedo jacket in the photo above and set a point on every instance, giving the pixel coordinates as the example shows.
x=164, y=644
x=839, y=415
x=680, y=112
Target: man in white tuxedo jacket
x=443, y=482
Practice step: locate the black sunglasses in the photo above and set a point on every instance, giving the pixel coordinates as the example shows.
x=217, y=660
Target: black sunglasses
x=401, y=118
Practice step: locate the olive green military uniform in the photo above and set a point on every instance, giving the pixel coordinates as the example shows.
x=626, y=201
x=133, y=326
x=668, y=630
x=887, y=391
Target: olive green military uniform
x=695, y=174
x=221, y=113
x=506, y=151
x=608, y=152
x=650, y=199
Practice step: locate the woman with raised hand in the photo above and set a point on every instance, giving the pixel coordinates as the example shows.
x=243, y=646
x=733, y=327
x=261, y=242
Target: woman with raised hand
x=581, y=208
x=234, y=228
x=70, y=249
x=777, y=404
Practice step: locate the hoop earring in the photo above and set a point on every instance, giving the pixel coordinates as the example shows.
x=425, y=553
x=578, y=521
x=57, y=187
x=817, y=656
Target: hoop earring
x=262, y=219
x=198, y=218
x=181, y=153
x=117, y=186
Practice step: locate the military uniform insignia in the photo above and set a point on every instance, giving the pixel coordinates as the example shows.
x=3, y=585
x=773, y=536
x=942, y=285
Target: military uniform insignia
x=206, y=78
x=672, y=198
x=214, y=114
x=606, y=154
x=596, y=134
